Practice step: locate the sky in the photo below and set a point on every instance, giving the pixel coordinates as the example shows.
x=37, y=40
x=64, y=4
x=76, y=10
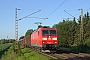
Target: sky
x=54, y=10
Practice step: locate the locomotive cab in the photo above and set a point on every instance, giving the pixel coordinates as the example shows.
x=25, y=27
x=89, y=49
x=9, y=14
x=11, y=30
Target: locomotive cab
x=49, y=39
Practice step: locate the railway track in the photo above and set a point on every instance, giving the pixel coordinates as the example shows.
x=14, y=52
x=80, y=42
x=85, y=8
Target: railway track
x=64, y=56
x=72, y=56
x=50, y=55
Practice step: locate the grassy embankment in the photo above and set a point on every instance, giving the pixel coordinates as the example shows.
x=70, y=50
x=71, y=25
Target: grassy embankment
x=4, y=48
x=26, y=54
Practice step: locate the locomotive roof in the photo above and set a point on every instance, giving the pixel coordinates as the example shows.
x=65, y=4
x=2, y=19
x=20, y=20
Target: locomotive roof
x=42, y=28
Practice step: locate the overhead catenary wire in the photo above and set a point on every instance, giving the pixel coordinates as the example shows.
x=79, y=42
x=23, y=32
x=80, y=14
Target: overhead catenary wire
x=75, y=6
x=78, y=3
x=76, y=14
x=57, y=8
x=45, y=8
x=83, y=11
x=69, y=14
x=29, y=15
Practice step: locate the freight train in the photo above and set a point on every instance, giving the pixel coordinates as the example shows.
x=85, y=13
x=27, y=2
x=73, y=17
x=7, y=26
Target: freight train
x=46, y=39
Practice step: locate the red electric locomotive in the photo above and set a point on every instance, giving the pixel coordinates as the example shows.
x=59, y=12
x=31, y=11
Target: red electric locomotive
x=45, y=38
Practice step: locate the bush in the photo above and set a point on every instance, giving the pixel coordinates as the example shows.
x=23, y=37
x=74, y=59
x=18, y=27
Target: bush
x=87, y=42
x=82, y=48
x=25, y=50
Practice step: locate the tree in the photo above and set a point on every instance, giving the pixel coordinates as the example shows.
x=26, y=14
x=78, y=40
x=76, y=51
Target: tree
x=67, y=32
x=63, y=32
x=86, y=26
x=29, y=32
x=2, y=41
x=39, y=26
x=74, y=32
x=21, y=37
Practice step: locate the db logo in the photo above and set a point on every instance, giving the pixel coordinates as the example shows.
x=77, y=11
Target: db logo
x=49, y=38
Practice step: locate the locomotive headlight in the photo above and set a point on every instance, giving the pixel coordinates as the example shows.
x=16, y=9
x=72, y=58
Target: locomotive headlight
x=55, y=42
x=54, y=38
x=43, y=42
x=44, y=38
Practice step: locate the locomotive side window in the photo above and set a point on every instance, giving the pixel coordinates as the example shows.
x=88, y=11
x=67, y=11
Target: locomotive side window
x=38, y=32
x=52, y=32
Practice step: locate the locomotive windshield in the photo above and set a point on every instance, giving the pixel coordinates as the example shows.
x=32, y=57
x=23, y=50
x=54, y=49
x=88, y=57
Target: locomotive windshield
x=48, y=32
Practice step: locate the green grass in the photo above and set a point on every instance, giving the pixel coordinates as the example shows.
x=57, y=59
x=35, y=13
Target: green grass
x=26, y=54
x=4, y=46
x=31, y=55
